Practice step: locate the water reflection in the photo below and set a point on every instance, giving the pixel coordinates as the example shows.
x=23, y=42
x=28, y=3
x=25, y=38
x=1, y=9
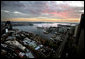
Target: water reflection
x=35, y=30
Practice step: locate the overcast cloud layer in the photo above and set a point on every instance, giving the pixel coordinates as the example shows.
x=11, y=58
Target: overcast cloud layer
x=42, y=9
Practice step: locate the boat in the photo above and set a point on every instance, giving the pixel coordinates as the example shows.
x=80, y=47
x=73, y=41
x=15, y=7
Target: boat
x=54, y=36
x=45, y=32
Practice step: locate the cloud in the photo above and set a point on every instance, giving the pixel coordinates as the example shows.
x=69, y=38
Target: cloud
x=6, y=11
x=42, y=9
x=76, y=4
x=71, y=3
x=20, y=13
x=81, y=11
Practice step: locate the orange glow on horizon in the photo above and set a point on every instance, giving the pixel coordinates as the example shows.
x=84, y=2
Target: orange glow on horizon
x=42, y=20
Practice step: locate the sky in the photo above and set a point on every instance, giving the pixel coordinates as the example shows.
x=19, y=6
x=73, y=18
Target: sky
x=49, y=11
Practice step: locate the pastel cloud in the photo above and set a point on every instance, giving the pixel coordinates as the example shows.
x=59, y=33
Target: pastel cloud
x=42, y=9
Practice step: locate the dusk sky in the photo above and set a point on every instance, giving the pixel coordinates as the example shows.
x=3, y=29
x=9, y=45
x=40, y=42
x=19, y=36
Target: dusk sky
x=50, y=11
